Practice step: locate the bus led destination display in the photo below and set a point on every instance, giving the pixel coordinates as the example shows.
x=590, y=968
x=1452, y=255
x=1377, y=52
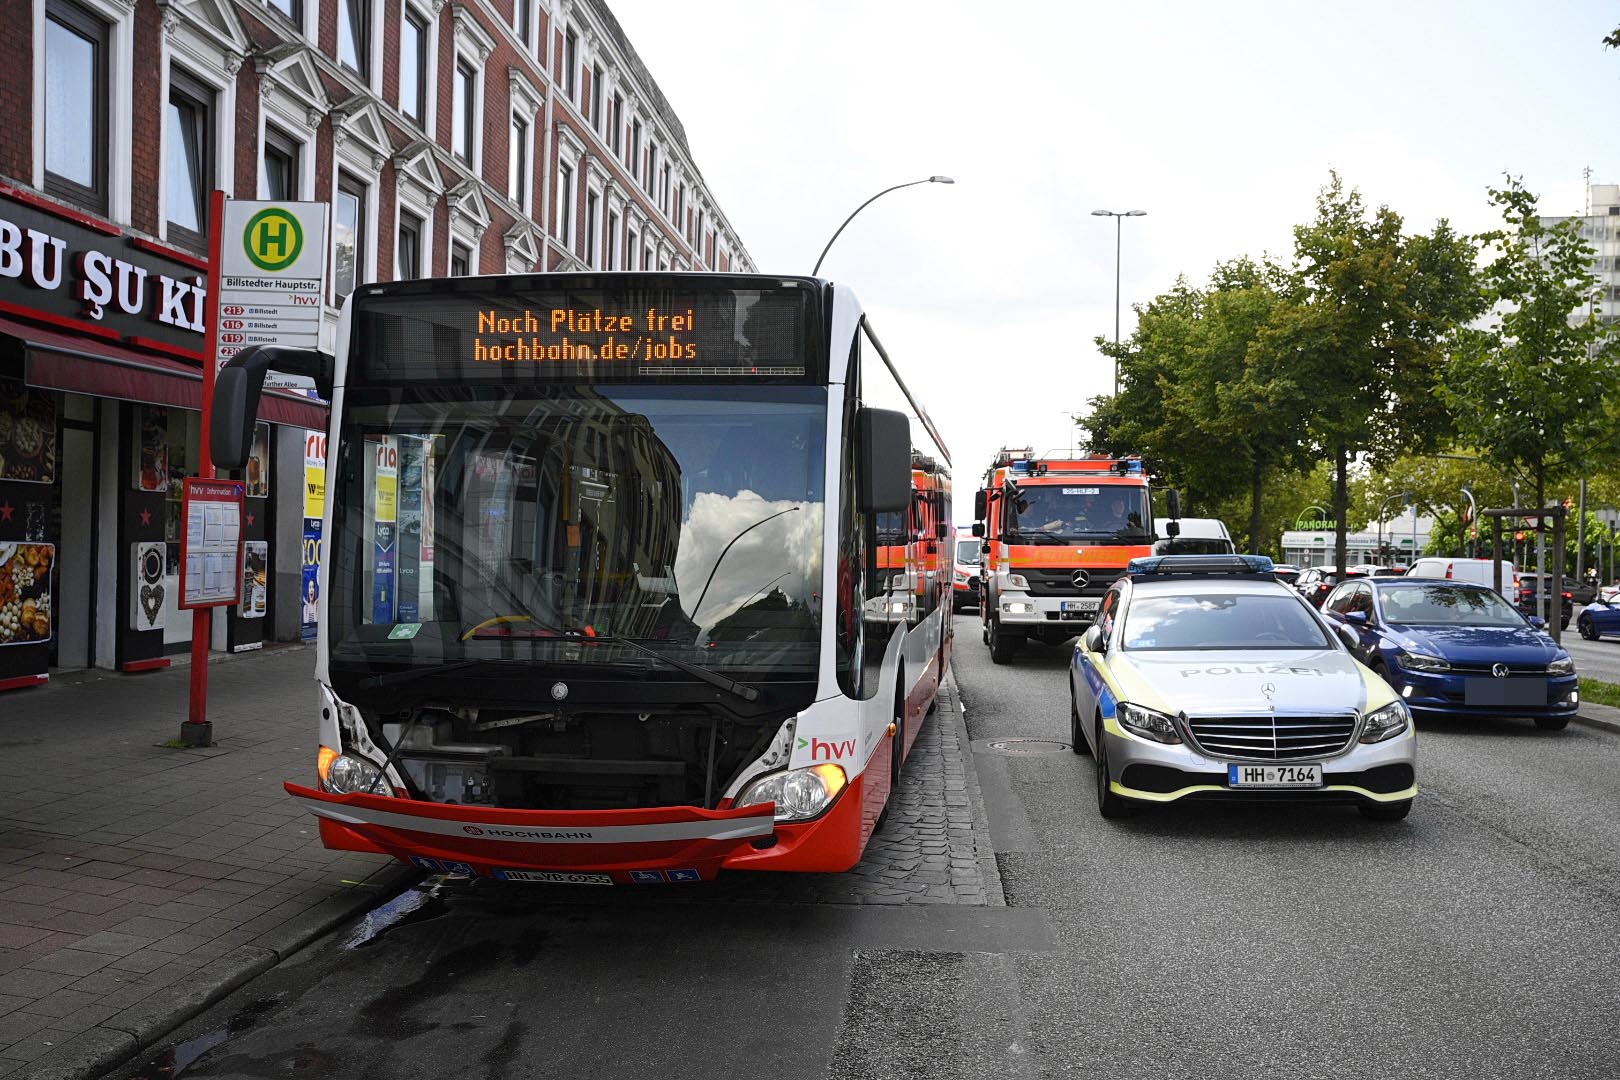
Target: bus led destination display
x=569, y=334
x=539, y=328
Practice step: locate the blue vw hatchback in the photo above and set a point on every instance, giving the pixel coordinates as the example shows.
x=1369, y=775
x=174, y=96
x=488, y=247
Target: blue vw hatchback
x=1598, y=618
x=1454, y=649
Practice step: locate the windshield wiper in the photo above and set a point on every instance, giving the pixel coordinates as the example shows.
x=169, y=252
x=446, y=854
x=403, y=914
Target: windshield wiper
x=713, y=678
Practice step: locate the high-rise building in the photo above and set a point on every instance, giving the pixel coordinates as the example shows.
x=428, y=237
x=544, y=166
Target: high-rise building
x=460, y=137
x=1600, y=227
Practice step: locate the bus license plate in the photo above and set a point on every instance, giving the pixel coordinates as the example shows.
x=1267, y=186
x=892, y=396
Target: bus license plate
x=1274, y=776
x=553, y=877
x=1078, y=605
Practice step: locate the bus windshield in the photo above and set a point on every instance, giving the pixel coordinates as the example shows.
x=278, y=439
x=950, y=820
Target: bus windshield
x=479, y=523
x=1060, y=513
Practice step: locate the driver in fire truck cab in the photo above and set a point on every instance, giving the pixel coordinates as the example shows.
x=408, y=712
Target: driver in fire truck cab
x=1109, y=517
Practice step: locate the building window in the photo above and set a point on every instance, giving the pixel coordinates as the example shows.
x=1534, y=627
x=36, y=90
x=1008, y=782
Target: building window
x=596, y=97
x=616, y=125
x=610, y=253
x=293, y=9
x=570, y=78
x=1613, y=210
x=517, y=166
x=76, y=103
x=461, y=139
x=354, y=26
x=189, y=169
x=410, y=246
x=565, y=203
x=460, y=261
x=593, y=221
x=632, y=251
x=348, y=235
x=413, y=66
x=279, y=166
x=651, y=178
x=635, y=149
x=523, y=18
x=663, y=190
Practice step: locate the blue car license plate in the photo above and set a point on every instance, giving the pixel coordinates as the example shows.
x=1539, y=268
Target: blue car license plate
x=1510, y=693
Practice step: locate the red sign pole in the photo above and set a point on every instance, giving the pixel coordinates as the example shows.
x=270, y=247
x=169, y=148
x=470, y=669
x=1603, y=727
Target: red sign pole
x=196, y=731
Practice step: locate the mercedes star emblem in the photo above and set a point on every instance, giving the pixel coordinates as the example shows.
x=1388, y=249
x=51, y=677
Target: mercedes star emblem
x=1269, y=690
x=1499, y=670
x=559, y=690
x=1080, y=578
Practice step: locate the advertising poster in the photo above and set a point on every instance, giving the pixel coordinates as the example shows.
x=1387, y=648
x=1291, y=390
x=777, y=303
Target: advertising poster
x=314, y=474
x=409, y=608
x=310, y=583
x=152, y=451
x=385, y=508
x=27, y=433
x=147, y=594
x=382, y=579
x=255, y=583
x=258, y=463
x=25, y=592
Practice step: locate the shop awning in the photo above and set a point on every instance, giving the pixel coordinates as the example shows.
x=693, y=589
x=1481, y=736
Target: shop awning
x=79, y=365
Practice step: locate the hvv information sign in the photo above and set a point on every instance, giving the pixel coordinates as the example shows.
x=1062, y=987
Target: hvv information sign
x=272, y=276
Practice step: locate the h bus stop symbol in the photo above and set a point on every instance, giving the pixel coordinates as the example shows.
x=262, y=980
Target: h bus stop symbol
x=273, y=238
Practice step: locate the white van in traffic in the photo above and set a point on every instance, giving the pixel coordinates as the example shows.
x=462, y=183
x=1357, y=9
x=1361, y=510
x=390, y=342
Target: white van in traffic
x=1476, y=571
x=1198, y=536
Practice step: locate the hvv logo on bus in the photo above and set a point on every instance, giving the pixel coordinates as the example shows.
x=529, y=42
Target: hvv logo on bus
x=828, y=749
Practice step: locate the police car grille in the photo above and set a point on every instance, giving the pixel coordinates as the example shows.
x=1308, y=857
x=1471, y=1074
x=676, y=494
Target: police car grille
x=1272, y=738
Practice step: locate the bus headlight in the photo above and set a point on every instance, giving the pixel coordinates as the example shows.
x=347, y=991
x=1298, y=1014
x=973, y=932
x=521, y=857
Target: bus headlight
x=345, y=774
x=799, y=794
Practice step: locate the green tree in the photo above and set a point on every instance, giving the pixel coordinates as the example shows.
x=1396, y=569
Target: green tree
x=1533, y=391
x=1368, y=332
x=1207, y=413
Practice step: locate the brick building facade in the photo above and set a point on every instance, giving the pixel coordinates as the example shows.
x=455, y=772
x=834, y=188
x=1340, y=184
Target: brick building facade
x=459, y=137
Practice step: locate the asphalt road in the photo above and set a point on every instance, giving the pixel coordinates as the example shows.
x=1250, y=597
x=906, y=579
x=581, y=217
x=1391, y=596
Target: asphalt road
x=1475, y=940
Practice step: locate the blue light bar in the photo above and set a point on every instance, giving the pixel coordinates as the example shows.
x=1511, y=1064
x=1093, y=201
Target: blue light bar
x=1020, y=468
x=1200, y=565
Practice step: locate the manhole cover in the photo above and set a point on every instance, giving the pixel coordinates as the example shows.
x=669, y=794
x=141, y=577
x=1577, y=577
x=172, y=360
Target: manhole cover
x=1026, y=746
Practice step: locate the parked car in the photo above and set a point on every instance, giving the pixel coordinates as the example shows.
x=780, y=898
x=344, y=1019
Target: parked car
x=1286, y=573
x=1456, y=649
x=1315, y=583
x=1527, y=593
x=1601, y=616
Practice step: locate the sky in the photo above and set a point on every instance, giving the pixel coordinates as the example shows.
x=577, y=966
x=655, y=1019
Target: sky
x=1221, y=120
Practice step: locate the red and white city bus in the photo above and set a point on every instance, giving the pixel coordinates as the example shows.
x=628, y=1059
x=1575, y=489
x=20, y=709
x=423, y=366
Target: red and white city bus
x=604, y=596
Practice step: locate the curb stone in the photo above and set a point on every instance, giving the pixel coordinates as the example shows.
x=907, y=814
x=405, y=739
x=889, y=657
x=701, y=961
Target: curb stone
x=1602, y=717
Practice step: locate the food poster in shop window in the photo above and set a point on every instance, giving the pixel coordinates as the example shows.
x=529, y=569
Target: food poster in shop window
x=28, y=475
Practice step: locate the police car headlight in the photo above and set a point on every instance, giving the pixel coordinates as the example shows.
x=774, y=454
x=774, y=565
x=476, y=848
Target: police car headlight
x=1148, y=723
x=1385, y=723
x=1412, y=661
x=799, y=794
x=1564, y=665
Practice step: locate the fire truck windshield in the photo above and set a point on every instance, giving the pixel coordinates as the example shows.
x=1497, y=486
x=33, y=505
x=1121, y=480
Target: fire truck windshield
x=1061, y=513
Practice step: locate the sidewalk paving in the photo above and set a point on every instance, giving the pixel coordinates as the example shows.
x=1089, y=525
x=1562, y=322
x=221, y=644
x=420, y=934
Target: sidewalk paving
x=139, y=883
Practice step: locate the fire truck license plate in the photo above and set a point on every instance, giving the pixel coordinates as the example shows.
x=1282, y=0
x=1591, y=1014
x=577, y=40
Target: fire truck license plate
x=1079, y=605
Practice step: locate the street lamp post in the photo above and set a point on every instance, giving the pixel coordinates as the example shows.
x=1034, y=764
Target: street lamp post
x=1119, y=227
x=869, y=202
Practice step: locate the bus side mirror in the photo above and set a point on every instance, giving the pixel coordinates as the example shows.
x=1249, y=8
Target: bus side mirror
x=978, y=528
x=238, y=386
x=1172, y=501
x=978, y=506
x=885, y=464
